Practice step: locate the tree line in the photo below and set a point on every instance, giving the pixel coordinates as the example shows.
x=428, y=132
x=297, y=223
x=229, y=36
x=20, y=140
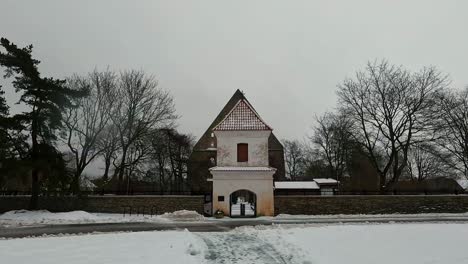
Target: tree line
x=390, y=124
x=122, y=121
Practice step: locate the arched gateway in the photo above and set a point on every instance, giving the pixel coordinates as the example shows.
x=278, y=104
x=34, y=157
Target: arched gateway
x=242, y=178
x=243, y=203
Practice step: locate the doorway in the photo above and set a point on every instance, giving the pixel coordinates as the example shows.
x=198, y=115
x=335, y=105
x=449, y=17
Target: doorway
x=243, y=204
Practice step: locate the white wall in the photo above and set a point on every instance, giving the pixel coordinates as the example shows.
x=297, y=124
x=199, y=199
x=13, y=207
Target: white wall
x=258, y=182
x=227, y=147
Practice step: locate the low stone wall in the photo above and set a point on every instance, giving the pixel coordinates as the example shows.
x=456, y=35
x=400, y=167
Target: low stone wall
x=297, y=204
x=371, y=204
x=108, y=204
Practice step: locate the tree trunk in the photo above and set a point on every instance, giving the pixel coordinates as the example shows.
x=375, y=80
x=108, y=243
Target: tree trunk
x=34, y=201
x=382, y=180
x=107, y=163
x=121, y=169
x=75, y=185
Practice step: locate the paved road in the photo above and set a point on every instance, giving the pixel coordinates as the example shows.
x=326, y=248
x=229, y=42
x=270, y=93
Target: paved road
x=212, y=225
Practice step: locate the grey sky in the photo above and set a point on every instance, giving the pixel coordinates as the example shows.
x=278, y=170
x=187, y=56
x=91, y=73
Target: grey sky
x=287, y=56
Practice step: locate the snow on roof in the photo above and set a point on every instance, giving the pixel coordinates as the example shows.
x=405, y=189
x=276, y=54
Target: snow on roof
x=296, y=185
x=463, y=183
x=325, y=181
x=85, y=183
x=242, y=169
x=242, y=117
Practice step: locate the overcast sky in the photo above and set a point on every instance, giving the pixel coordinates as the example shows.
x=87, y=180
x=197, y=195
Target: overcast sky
x=287, y=56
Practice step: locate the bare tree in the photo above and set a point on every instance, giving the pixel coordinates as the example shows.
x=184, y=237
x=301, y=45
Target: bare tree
x=388, y=106
x=425, y=161
x=453, y=130
x=138, y=155
x=294, y=154
x=109, y=146
x=140, y=107
x=84, y=124
x=332, y=135
x=171, y=151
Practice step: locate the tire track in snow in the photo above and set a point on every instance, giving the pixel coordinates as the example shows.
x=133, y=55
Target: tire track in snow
x=234, y=247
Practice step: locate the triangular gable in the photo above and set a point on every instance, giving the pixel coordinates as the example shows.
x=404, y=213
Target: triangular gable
x=242, y=117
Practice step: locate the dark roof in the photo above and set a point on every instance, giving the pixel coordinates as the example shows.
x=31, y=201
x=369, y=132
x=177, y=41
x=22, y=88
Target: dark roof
x=205, y=149
x=205, y=140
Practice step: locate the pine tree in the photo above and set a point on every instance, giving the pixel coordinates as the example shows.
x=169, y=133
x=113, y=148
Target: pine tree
x=3, y=127
x=46, y=98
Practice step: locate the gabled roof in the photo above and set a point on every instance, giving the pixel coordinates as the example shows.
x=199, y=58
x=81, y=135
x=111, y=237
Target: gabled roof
x=242, y=117
x=205, y=140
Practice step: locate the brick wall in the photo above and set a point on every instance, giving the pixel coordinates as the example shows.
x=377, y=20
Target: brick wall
x=370, y=204
x=107, y=204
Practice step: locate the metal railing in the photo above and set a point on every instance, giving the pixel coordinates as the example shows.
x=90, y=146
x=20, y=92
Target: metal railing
x=139, y=211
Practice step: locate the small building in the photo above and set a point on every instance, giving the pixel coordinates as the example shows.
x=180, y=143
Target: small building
x=236, y=161
x=296, y=188
x=319, y=186
x=327, y=186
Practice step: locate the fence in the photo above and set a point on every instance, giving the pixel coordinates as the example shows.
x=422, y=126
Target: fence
x=98, y=192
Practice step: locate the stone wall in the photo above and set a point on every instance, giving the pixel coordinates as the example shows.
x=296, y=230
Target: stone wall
x=312, y=205
x=371, y=204
x=108, y=204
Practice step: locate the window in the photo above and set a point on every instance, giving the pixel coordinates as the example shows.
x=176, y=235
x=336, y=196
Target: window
x=220, y=198
x=242, y=152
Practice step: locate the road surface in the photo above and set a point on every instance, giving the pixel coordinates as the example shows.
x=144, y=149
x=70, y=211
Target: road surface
x=213, y=225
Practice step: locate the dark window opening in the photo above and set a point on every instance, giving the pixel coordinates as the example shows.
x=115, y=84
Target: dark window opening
x=220, y=198
x=242, y=152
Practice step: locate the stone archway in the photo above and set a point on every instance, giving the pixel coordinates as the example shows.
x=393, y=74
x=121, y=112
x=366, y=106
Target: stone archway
x=243, y=203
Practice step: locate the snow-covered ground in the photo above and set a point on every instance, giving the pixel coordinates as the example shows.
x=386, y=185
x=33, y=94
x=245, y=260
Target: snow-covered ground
x=372, y=216
x=330, y=244
x=27, y=218
x=20, y=218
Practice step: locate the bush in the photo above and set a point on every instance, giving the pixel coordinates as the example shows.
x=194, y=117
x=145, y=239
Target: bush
x=219, y=214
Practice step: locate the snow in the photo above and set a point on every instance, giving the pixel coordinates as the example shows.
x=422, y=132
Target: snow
x=325, y=181
x=25, y=217
x=385, y=243
x=141, y=248
x=463, y=183
x=236, y=209
x=86, y=184
x=242, y=168
x=296, y=185
x=305, y=184
x=330, y=244
x=183, y=215
x=42, y=217
x=364, y=217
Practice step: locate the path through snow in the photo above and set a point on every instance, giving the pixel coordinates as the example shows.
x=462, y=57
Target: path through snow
x=245, y=247
x=327, y=244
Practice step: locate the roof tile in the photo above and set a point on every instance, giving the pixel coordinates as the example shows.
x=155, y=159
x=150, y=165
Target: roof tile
x=242, y=117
